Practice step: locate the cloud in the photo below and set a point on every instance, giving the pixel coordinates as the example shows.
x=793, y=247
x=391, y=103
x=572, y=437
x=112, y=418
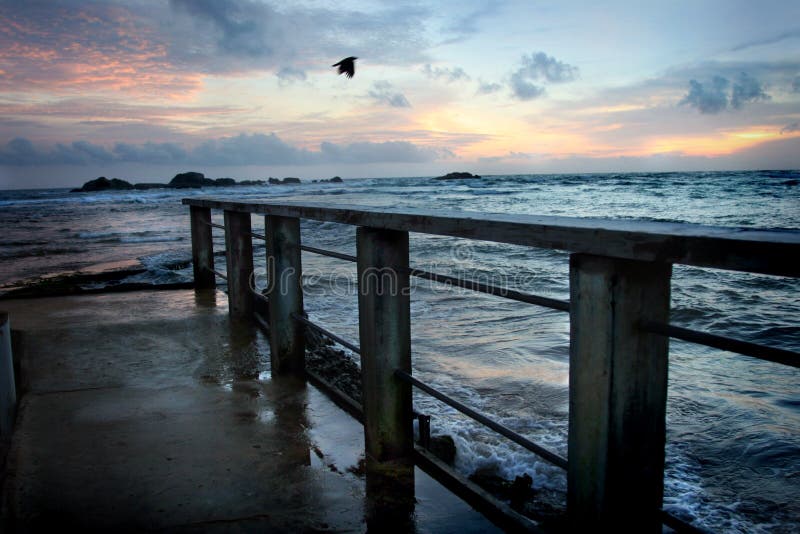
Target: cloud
x=22, y=152
x=242, y=149
x=448, y=75
x=467, y=25
x=383, y=92
x=249, y=149
x=747, y=89
x=539, y=68
x=487, y=88
x=791, y=34
x=791, y=128
x=796, y=84
x=62, y=45
x=290, y=75
x=715, y=97
x=237, y=27
x=710, y=98
x=168, y=48
x=231, y=35
x=388, y=152
x=149, y=153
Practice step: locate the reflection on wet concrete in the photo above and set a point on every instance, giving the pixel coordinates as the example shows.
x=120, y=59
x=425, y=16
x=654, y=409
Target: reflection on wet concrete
x=390, y=502
x=206, y=298
x=157, y=411
x=288, y=397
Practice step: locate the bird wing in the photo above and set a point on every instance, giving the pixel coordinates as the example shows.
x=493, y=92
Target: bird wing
x=346, y=66
x=348, y=69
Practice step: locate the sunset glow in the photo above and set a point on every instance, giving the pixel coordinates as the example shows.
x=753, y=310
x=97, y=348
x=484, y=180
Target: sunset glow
x=245, y=88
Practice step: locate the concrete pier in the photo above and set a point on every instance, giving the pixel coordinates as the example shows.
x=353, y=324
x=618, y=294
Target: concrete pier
x=155, y=410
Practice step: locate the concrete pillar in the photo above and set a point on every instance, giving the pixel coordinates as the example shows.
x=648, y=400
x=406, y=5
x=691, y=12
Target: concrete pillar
x=239, y=255
x=8, y=391
x=285, y=292
x=385, y=336
x=617, y=392
x=202, y=248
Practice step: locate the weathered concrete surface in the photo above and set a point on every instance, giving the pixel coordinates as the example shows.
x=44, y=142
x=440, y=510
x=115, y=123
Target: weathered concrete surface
x=153, y=411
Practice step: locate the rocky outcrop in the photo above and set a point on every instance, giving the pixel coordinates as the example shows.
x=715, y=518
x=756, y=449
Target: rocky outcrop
x=334, y=180
x=103, y=184
x=290, y=180
x=184, y=180
x=190, y=179
x=458, y=176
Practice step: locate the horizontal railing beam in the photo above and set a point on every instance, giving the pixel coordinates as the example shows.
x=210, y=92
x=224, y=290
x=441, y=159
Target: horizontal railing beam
x=480, y=287
x=551, y=457
x=326, y=333
x=739, y=249
x=762, y=352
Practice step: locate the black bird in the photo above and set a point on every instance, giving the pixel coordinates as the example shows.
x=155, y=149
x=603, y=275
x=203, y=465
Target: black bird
x=347, y=66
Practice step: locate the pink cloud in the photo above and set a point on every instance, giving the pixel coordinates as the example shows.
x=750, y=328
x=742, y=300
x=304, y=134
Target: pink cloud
x=109, y=48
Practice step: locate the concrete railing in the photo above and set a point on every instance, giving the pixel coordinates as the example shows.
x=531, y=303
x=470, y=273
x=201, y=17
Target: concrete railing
x=620, y=274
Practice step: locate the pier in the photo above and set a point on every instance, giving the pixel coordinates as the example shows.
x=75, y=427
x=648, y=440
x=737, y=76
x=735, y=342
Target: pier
x=129, y=404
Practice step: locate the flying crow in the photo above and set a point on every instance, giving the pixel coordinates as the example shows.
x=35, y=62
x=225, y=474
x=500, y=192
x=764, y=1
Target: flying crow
x=347, y=66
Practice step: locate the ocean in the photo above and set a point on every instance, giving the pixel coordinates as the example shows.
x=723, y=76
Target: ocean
x=733, y=442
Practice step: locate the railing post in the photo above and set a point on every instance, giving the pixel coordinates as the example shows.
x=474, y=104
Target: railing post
x=8, y=391
x=617, y=393
x=285, y=292
x=385, y=339
x=202, y=248
x=239, y=256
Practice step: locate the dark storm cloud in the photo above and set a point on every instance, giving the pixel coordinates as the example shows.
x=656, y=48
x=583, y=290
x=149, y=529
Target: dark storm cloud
x=383, y=92
x=720, y=94
x=536, y=69
x=243, y=149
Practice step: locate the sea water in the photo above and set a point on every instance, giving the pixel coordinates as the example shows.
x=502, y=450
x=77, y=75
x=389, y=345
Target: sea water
x=733, y=422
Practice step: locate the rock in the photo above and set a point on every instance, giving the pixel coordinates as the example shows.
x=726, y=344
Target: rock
x=103, y=184
x=251, y=182
x=444, y=448
x=286, y=181
x=458, y=176
x=224, y=182
x=517, y=491
x=190, y=179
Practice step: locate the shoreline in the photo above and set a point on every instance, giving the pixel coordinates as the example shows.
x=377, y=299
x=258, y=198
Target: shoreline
x=95, y=279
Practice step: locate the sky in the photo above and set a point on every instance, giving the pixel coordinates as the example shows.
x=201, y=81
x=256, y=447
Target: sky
x=142, y=90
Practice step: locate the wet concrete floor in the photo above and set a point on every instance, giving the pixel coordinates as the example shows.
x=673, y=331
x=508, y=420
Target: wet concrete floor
x=154, y=411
